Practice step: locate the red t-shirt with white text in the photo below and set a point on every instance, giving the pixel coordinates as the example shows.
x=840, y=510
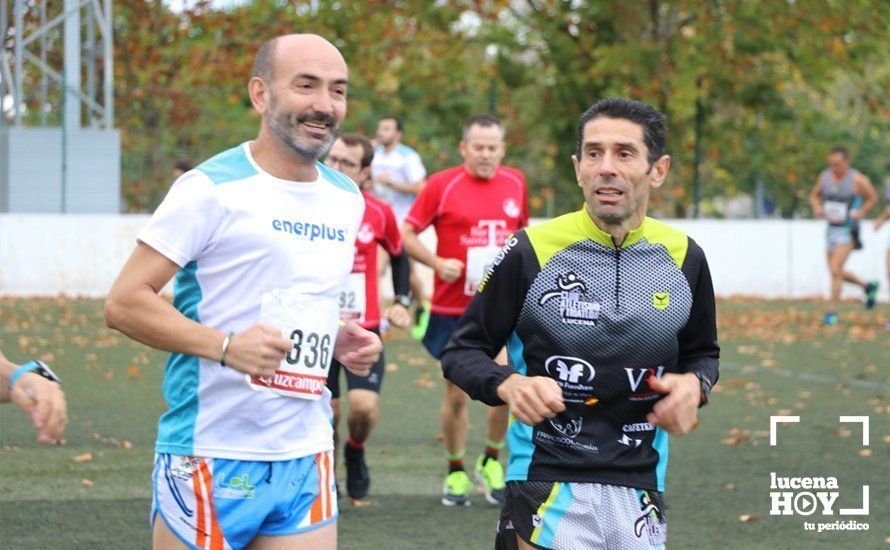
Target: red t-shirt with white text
x=473, y=218
x=358, y=301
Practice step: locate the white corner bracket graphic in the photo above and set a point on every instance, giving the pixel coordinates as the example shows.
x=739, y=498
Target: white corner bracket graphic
x=773, y=420
x=861, y=420
x=858, y=511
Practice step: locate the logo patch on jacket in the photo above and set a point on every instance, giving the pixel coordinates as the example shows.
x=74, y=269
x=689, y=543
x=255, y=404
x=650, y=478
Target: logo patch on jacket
x=661, y=300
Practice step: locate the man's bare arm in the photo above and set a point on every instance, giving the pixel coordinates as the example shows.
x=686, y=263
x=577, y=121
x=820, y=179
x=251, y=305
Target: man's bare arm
x=448, y=269
x=815, y=199
x=134, y=307
x=412, y=188
x=866, y=190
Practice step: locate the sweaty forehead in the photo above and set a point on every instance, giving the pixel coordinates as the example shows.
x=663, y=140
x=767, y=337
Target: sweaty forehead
x=608, y=131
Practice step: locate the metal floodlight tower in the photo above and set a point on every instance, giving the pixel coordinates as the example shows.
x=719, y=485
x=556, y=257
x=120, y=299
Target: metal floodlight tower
x=72, y=165
x=100, y=111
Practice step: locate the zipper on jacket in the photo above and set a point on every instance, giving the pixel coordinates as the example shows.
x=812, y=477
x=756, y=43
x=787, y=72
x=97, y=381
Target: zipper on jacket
x=617, y=278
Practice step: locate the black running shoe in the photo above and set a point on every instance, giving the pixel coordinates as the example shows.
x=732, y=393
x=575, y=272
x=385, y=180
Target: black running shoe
x=358, y=478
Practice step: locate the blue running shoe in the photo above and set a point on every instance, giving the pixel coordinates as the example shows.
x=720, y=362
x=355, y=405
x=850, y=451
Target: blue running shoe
x=830, y=318
x=871, y=294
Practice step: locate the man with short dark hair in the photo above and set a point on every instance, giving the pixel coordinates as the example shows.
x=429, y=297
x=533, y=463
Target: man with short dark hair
x=359, y=302
x=397, y=169
x=843, y=196
x=180, y=167
x=260, y=240
x=609, y=319
x=399, y=175
x=474, y=208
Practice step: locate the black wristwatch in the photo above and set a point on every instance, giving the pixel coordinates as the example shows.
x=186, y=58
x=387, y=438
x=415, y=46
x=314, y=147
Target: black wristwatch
x=403, y=301
x=37, y=367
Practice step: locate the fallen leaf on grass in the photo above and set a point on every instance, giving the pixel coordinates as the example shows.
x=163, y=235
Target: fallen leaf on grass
x=729, y=486
x=425, y=382
x=731, y=441
x=887, y=438
x=361, y=503
x=745, y=518
x=440, y=437
x=125, y=445
x=844, y=432
x=85, y=457
x=865, y=452
x=11, y=448
x=391, y=367
x=95, y=436
x=133, y=372
x=86, y=482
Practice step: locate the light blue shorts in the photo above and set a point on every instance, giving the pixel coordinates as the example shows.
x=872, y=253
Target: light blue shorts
x=215, y=503
x=838, y=235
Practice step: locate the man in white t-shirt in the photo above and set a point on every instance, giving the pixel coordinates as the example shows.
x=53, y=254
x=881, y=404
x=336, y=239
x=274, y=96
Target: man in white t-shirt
x=399, y=175
x=397, y=169
x=260, y=241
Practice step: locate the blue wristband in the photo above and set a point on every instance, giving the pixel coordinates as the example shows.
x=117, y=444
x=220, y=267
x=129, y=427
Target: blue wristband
x=30, y=366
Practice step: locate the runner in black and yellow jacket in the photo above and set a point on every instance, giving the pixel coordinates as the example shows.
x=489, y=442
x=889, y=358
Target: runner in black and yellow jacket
x=609, y=343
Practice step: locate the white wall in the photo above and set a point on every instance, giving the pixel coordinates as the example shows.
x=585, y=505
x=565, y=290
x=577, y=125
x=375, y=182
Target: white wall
x=80, y=255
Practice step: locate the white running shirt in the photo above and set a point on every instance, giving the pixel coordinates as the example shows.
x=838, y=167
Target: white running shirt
x=403, y=165
x=237, y=232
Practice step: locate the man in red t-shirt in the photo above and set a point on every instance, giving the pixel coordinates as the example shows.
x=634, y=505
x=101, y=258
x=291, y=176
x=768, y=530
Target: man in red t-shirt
x=474, y=208
x=359, y=302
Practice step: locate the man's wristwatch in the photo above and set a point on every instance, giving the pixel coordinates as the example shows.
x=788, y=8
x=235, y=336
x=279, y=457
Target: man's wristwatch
x=403, y=301
x=37, y=367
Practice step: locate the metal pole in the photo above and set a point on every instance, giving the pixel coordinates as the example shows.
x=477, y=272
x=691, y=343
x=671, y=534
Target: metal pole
x=4, y=77
x=91, y=62
x=43, y=79
x=696, y=161
x=108, y=66
x=64, y=142
x=18, y=97
x=71, y=116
